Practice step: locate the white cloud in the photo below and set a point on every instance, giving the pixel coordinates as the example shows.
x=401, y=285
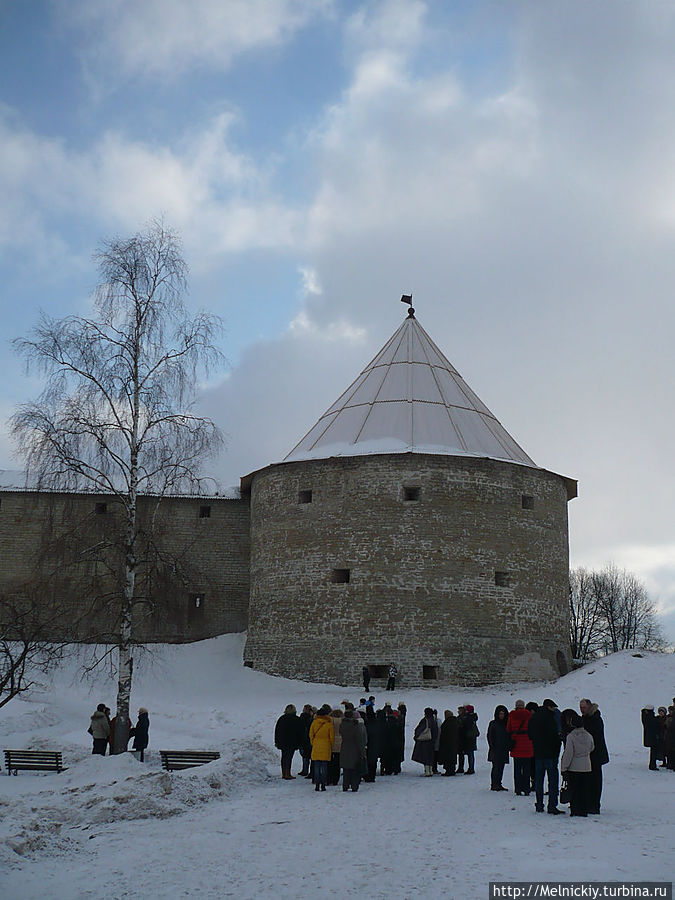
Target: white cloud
x=155, y=38
x=310, y=282
x=213, y=194
x=338, y=330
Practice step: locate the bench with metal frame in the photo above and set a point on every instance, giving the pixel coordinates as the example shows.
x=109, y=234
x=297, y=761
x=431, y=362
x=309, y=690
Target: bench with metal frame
x=186, y=759
x=33, y=761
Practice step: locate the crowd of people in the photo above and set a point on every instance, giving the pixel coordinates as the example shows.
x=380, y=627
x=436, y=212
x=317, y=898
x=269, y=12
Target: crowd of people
x=355, y=741
x=102, y=730
x=659, y=735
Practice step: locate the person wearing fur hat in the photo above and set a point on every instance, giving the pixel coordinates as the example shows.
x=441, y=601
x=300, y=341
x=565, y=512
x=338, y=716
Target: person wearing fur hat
x=521, y=747
x=600, y=756
x=99, y=729
x=425, y=736
x=498, y=744
x=287, y=738
x=650, y=734
x=140, y=732
x=321, y=736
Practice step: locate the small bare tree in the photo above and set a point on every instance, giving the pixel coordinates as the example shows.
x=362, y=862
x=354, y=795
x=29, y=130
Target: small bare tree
x=26, y=651
x=610, y=610
x=117, y=411
x=585, y=619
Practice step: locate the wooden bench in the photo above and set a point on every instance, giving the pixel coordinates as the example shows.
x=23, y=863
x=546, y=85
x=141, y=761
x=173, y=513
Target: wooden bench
x=186, y=759
x=33, y=760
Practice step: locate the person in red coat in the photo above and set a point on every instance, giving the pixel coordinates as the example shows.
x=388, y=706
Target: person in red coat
x=521, y=750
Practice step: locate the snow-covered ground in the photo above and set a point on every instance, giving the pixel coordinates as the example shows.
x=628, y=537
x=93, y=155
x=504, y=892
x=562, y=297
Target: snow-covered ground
x=114, y=827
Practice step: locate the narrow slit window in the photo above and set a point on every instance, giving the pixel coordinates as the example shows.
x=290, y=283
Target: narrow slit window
x=340, y=576
x=305, y=496
x=195, y=607
x=527, y=501
x=502, y=579
x=430, y=673
x=204, y=512
x=410, y=493
x=101, y=509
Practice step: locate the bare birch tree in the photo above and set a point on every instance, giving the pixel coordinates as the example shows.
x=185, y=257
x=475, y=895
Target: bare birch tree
x=117, y=412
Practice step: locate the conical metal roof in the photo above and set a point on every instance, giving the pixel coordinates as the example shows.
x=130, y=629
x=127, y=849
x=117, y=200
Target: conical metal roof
x=409, y=399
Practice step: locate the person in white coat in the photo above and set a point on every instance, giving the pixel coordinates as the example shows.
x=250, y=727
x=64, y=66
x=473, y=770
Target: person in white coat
x=576, y=764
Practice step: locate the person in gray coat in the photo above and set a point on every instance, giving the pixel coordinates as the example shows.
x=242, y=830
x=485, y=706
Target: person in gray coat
x=576, y=765
x=352, y=750
x=99, y=729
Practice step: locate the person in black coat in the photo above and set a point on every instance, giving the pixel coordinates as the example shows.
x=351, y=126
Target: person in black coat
x=460, y=740
x=366, y=678
x=542, y=729
x=533, y=706
x=390, y=741
x=600, y=756
x=373, y=732
x=499, y=745
x=402, y=713
x=287, y=738
x=650, y=734
x=140, y=732
x=469, y=732
x=447, y=748
x=426, y=733
x=305, y=747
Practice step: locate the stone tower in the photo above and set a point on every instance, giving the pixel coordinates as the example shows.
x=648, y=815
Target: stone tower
x=408, y=526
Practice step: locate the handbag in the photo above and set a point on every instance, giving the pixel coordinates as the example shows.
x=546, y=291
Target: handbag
x=564, y=792
x=424, y=735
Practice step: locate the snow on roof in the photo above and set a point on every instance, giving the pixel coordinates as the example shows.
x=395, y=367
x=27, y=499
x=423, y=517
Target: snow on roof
x=409, y=399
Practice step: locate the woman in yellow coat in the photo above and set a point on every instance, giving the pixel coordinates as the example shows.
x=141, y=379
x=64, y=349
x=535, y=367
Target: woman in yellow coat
x=321, y=736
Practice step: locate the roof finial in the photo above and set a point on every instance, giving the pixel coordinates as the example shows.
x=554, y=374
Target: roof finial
x=407, y=298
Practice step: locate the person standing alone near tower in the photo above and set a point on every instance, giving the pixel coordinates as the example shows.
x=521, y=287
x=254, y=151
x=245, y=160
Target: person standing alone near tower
x=391, y=681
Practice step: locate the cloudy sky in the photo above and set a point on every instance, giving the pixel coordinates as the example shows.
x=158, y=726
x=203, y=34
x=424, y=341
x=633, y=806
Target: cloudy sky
x=510, y=164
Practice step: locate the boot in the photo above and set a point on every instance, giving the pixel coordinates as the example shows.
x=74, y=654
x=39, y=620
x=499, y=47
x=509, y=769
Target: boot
x=316, y=787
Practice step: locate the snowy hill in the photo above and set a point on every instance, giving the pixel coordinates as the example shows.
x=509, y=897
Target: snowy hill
x=234, y=828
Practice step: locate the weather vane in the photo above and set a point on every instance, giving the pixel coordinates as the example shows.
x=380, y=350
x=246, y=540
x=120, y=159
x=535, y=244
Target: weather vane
x=407, y=298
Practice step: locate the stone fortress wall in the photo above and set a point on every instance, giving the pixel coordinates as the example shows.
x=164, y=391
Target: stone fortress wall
x=51, y=542
x=454, y=568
